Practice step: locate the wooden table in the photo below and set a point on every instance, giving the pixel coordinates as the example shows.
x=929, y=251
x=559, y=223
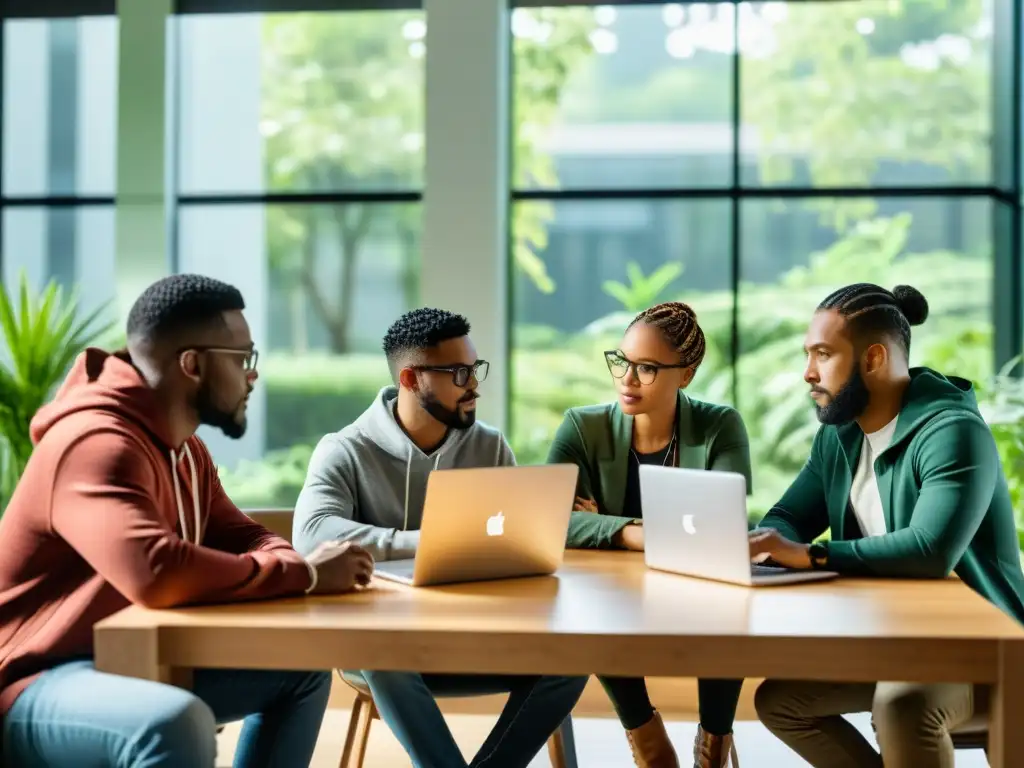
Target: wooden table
x=605, y=613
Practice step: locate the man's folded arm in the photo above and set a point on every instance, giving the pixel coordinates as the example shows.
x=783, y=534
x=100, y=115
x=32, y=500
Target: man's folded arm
x=103, y=505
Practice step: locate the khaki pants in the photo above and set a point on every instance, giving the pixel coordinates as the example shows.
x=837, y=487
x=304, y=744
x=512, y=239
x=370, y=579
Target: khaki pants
x=912, y=721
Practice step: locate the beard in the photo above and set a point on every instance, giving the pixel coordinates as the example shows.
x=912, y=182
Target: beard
x=452, y=418
x=846, y=404
x=227, y=421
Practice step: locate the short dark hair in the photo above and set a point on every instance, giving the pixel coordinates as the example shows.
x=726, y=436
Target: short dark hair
x=872, y=312
x=678, y=324
x=180, y=303
x=418, y=330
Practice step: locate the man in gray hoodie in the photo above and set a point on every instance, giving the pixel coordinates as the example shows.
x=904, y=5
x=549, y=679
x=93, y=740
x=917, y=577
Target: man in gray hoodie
x=366, y=484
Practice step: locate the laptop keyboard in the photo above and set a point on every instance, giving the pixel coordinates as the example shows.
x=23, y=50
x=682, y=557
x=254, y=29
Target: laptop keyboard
x=401, y=568
x=767, y=570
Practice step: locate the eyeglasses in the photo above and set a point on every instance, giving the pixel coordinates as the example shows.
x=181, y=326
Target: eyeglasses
x=646, y=373
x=460, y=373
x=250, y=357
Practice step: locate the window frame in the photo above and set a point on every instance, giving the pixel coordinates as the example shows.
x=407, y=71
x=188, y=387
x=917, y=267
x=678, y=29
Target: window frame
x=1003, y=190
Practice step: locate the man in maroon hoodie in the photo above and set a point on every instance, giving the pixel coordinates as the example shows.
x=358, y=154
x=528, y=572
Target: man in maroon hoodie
x=120, y=504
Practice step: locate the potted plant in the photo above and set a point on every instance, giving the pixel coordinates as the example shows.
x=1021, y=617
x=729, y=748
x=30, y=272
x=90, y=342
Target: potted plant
x=42, y=335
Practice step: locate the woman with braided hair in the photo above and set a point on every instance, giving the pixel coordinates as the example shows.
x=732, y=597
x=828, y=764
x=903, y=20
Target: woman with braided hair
x=651, y=422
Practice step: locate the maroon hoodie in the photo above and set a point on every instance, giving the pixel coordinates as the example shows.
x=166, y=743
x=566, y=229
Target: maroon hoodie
x=109, y=513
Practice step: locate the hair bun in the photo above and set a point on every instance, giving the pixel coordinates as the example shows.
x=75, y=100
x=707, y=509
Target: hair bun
x=912, y=303
x=682, y=308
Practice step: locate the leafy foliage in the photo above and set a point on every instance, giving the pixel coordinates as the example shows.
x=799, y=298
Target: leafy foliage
x=643, y=291
x=343, y=108
x=915, y=88
x=42, y=335
x=1001, y=401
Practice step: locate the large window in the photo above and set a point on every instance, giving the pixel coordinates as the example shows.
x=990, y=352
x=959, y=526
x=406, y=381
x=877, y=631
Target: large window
x=300, y=163
x=57, y=155
x=747, y=158
x=884, y=93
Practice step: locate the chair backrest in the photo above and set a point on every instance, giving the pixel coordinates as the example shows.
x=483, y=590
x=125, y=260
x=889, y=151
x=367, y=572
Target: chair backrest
x=277, y=521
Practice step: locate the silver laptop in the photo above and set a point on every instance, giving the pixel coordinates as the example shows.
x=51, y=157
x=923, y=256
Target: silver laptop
x=490, y=523
x=695, y=524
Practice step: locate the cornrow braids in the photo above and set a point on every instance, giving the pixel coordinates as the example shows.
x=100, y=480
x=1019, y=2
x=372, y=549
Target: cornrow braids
x=871, y=311
x=678, y=323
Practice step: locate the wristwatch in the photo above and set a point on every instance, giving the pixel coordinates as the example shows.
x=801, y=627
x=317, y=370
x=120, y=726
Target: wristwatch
x=818, y=552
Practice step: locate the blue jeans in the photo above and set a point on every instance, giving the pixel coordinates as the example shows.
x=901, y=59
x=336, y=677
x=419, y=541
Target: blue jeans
x=536, y=707
x=73, y=715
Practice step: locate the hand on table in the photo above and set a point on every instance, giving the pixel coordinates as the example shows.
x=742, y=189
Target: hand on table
x=340, y=566
x=767, y=542
x=584, y=505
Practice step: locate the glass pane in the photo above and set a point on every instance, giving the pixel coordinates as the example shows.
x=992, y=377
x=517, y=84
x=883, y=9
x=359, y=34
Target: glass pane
x=301, y=101
x=791, y=261
x=59, y=106
x=74, y=246
x=321, y=284
x=876, y=92
x=602, y=263
x=623, y=96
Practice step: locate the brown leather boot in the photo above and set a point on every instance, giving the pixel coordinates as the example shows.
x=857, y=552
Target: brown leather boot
x=650, y=745
x=710, y=751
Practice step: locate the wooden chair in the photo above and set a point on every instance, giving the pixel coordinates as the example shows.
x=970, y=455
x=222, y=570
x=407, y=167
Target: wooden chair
x=561, y=745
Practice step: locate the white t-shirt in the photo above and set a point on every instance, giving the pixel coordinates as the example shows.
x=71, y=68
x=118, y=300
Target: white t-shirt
x=864, y=495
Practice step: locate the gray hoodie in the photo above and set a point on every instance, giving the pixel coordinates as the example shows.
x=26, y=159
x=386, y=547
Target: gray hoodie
x=367, y=482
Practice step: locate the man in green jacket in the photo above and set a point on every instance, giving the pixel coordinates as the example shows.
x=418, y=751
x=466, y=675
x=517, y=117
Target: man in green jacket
x=905, y=474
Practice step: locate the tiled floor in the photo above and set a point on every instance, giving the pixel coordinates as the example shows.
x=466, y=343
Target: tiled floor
x=599, y=744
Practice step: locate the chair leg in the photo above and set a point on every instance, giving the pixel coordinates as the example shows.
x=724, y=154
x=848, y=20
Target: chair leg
x=562, y=746
x=363, y=714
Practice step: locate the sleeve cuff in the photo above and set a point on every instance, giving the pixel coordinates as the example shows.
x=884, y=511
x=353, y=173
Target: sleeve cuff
x=404, y=545
x=842, y=557
x=612, y=526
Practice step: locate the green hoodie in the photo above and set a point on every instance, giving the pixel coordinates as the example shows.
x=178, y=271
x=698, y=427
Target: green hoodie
x=946, y=504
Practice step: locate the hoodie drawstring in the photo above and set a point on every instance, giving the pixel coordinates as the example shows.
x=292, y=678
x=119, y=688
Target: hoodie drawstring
x=408, y=471
x=198, y=532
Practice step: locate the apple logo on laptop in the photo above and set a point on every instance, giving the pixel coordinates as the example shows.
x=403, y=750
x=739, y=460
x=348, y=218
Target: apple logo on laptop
x=496, y=525
x=688, y=524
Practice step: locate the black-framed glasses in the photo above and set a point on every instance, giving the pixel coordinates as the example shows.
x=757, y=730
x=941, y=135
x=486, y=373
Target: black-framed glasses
x=460, y=373
x=250, y=357
x=646, y=373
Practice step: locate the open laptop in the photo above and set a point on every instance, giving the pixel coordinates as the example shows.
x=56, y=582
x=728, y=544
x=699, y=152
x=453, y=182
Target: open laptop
x=695, y=524
x=490, y=523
